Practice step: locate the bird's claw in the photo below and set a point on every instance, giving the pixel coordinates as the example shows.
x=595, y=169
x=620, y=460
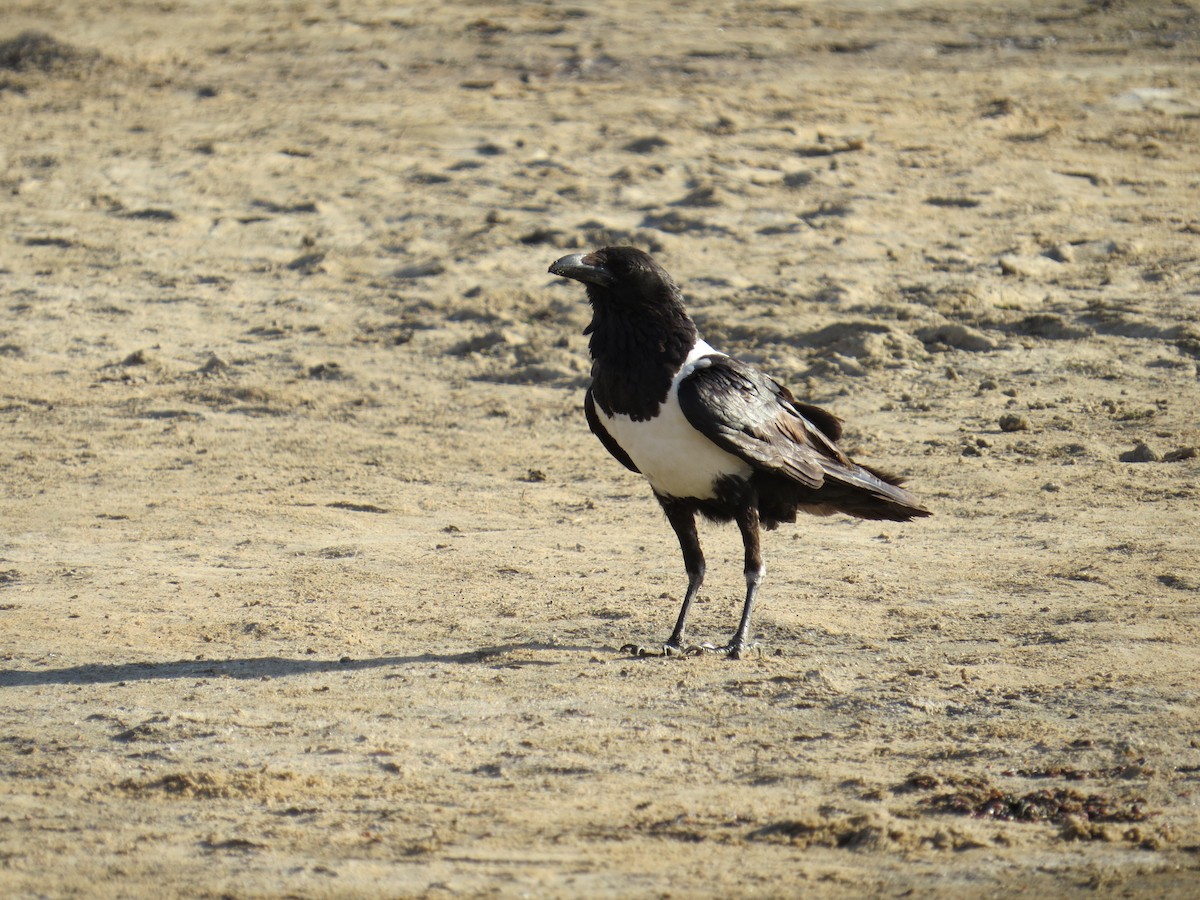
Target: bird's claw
x=731, y=650
x=664, y=650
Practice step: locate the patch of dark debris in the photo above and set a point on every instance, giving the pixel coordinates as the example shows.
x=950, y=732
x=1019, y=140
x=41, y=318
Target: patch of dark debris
x=36, y=51
x=356, y=507
x=1051, y=805
x=849, y=833
x=693, y=829
x=1079, y=815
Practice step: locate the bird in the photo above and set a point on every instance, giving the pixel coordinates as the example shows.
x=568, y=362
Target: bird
x=714, y=436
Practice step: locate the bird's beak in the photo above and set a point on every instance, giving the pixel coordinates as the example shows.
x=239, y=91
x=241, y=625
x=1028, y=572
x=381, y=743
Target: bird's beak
x=585, y=267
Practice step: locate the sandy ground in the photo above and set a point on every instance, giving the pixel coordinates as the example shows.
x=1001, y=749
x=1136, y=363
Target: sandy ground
x=312, y=579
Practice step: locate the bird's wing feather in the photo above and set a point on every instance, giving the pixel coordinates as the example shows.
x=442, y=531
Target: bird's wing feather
x=755, y=418
x=598, y=429
x=744, y=412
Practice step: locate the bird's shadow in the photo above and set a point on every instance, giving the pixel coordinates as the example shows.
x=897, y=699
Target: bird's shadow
x=268, y=667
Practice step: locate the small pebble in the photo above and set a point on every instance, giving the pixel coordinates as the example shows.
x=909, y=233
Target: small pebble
x=1014, y=423
x=1139, y=454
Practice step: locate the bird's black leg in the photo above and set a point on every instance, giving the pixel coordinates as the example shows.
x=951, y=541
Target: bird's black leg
x=748, y=522
x=683, y=520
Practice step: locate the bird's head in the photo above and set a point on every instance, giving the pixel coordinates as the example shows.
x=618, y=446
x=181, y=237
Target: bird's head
x=610, y=267
x=622, y=281
x=636, y=306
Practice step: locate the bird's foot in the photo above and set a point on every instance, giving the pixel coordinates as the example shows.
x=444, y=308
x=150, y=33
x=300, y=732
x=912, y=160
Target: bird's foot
x=662, y=650
x=732, y=650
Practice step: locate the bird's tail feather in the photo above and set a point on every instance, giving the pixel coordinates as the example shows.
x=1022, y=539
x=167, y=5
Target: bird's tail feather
x=870, y=493
x=856, y=490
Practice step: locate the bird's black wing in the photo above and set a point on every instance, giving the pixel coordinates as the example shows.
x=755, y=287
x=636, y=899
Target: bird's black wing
x=598, y=429
x=755, y=418
x=743, y=411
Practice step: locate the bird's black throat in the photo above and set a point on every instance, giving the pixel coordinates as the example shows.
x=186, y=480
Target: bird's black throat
x=637, y=347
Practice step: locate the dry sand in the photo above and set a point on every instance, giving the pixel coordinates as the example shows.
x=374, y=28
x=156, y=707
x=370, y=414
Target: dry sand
x=312, y=579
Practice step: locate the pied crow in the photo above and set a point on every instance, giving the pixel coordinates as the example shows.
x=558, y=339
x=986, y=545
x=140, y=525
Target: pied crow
x=712, y=435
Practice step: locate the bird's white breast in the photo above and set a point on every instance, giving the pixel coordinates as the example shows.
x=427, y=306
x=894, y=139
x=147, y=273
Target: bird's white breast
x=676, y=459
